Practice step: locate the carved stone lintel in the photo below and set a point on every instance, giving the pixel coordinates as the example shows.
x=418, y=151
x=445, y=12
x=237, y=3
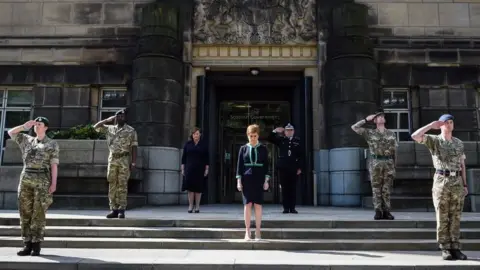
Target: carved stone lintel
x=252, y=22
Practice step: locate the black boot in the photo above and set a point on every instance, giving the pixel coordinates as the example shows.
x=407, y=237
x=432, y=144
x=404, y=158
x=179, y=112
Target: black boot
x=36, y=249
x=27, y=249
x=293, y=211
x=388, y=215
x=285, y=211
x=378, y=215
x=458, y=255
x=446, y=255
x=121, y=213
x=113, y=214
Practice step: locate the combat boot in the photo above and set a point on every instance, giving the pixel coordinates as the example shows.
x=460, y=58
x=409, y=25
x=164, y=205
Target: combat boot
x=27, y=249
x=458, y=255
x=121, y=213
x=388, y=215
x=113, y=214
x=378, y=215
x=446, y=255
x=36, y=249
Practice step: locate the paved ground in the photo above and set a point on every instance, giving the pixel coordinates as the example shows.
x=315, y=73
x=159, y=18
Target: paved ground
x=235, y=257
x=235, y=212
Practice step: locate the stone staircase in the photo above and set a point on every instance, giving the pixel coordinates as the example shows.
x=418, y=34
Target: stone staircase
x=169, y=238
x=219, y=234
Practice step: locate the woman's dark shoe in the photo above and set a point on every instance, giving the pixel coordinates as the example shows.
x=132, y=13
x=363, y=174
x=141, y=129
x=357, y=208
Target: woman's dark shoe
x=197, y=211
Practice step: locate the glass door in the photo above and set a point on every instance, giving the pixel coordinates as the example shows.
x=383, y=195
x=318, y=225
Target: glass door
x=234, y=119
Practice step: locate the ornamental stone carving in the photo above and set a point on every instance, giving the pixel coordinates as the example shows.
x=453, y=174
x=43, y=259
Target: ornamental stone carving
x=254, y=22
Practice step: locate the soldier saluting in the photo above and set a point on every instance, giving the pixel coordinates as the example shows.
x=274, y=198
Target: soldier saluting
x=122, y=143
x=383, y=147
x=289, y=164
x=449, y=183
x=38, y=181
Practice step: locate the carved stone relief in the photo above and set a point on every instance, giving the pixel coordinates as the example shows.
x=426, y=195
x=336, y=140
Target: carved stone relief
x=252, y=22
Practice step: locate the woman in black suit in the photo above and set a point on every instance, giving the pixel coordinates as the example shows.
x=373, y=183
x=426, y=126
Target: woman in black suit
x=252, y=178
x=194, y=169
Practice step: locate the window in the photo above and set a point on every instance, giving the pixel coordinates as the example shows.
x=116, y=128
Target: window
x=112, y=100
x=15, y=109
x=397, y=113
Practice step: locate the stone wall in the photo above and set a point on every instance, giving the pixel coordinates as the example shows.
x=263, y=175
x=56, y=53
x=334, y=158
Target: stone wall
x=446, y=18
x=65, y=31
x=342, y=182
x=83, y=172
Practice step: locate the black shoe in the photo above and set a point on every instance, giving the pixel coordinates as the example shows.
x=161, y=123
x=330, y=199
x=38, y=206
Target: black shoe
x=36, y=249
x=285, y=211
x=190, y=211
x=446, y=255
x=121, y=214
x=458, y=255
x=387, y=215
x=378, y=215
x=27, y=249
x=113, y=214
x=293, y=211
x=197, y=211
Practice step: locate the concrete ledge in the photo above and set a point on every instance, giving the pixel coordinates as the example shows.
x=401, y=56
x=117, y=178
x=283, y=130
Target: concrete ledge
x=473, y=177
x=71, y=152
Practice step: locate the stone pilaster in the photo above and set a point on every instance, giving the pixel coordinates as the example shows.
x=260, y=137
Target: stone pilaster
x=352, y=93
x=157, y=97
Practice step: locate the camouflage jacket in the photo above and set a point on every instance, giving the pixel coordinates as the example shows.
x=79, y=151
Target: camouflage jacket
x=36, y=153
x=446, y=155
x=380, y=143
x=119, y=140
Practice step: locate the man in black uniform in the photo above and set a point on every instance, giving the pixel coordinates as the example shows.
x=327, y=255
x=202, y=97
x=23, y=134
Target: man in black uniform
x=289, y=164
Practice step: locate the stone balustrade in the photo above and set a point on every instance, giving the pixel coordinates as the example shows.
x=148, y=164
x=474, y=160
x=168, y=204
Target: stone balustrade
x=342, y=176
x=83, y=170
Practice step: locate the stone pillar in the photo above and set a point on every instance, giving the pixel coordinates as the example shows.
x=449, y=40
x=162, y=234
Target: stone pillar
x=352, y=92
x=157, y=100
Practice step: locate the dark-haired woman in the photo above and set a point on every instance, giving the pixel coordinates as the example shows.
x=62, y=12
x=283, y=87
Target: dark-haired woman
x=194, y=169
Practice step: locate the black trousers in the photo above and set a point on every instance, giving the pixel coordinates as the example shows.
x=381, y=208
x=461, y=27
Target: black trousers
x=288, y=180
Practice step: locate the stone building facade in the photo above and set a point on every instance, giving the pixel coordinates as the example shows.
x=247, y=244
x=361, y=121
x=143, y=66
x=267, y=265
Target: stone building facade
x=185, y=63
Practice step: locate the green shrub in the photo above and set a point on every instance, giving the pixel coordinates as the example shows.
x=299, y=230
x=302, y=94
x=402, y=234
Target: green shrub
x=86, y=132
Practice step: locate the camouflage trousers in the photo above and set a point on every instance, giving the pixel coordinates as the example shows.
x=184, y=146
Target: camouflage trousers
x=117, y=177
x=382, y=174
x=33, y=202
x=448, y=198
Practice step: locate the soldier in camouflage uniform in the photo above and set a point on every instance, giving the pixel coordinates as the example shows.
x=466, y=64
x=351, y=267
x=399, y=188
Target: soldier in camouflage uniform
x=122, y=142
x=38, y=181
x=383, y=147
x=449, y=183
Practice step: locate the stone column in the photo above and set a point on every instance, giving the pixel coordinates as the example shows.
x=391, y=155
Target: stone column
x=157, y=99
x=352, y=92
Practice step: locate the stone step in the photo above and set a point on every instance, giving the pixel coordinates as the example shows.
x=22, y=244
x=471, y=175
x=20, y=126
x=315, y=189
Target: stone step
x=218, y=233
x=404, y=203
x=412, y=203
x=237, y=223
x=93, y=201
x=240, y=244
x=178, y=259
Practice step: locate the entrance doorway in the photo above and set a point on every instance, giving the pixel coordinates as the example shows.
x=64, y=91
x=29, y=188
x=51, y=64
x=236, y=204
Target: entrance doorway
x=234, y=117
x=227, y=102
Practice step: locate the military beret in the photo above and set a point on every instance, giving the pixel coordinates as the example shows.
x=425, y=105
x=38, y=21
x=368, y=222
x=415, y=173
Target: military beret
x=446, y=117
x=43, y=120
x=379, y=112
x=122, y=111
